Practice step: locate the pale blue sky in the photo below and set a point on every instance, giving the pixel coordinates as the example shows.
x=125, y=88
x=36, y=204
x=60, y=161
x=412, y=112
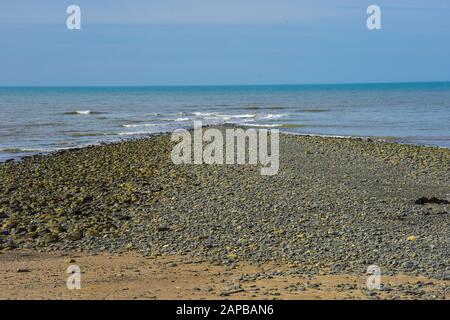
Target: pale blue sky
x=137, y=42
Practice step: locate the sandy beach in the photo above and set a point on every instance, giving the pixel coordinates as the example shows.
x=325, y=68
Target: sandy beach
x=140, y=226
x=31, y=275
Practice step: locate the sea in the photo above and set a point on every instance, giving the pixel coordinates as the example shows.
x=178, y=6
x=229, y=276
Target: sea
x=36, y=120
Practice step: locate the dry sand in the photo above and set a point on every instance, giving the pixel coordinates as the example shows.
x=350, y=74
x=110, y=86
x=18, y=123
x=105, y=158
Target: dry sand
x=33, y=275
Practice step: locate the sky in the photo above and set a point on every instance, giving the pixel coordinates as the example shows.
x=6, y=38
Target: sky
x=211, y=42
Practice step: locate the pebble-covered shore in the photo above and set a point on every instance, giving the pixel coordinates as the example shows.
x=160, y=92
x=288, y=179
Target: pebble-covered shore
x=336, y=205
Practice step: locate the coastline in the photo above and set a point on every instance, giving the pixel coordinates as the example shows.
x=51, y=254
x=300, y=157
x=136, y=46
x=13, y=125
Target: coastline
x=389, y=140
x=60, y=118
x=337, y=206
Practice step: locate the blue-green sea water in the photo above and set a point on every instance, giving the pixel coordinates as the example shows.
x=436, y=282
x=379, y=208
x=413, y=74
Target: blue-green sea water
x=38, y=120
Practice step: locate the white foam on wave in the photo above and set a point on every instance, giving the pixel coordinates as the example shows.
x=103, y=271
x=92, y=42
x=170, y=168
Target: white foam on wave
x=212, y=115
x=204, y=114
x=141, y=125
x=176, y=119
x=222, y=117
x=273, y=116
x=83, y=112
x=133, y=133
x=241, y=116
x=262, y=125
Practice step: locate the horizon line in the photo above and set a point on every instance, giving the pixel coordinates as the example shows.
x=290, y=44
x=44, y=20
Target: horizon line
x=225, y=85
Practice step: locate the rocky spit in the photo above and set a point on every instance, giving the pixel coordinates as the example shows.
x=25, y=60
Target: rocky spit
x=336, y=205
